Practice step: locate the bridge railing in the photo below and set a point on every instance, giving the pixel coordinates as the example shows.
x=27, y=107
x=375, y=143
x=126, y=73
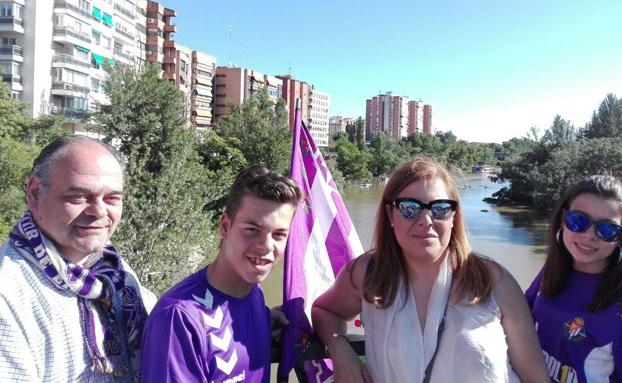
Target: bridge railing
x=313, y=349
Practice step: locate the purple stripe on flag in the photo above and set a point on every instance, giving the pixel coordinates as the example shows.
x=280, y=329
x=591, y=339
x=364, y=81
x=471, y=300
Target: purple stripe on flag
x=338, y=247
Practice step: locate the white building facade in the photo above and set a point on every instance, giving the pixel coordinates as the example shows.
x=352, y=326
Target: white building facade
x=319, y=106
x=52, y=52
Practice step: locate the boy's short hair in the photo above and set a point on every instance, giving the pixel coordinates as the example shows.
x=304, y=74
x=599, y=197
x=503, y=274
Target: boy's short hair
x=263, y=183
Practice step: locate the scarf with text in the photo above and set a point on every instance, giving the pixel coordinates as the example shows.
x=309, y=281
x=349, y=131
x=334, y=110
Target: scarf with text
x=95, y=287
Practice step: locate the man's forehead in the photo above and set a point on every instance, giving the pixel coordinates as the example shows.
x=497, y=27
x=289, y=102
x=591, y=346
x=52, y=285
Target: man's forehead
x=89, y=159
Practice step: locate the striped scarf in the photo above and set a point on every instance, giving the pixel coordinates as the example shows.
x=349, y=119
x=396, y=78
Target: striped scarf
x=95, y=288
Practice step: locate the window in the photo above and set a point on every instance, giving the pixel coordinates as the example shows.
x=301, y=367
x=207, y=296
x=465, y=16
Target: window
x=6, y=9
x=96, y=37
x=5, y=67
x=7, y=41
x=105, y=42
x=17, y=69
x=81, y=53
x=84, y=5
x=16, y=95
x=95, y=85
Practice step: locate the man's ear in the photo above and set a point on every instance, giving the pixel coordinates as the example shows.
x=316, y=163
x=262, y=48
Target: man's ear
x=225, y=225
x=33, y=192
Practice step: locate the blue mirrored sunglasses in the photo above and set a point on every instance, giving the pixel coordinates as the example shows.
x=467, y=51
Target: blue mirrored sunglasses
x=578, y=222
x=411, y=209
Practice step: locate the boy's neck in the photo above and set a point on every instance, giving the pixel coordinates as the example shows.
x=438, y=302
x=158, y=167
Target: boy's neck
x=220, y=276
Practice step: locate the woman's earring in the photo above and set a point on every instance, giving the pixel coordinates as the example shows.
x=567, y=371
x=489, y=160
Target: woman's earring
x=619, y=254
x=558, y=236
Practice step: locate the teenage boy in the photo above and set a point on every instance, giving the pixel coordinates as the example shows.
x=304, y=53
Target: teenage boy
x=214, y=326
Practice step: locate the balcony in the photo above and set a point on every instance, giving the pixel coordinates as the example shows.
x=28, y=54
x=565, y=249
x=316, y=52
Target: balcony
x=71, y=60
x=12, y=53
x=11, y=24
x=169, y=43
x=169, y=12
x=169, y=60
x=84, y=13
x=123, y=55
x=71, y=114
x=10, y=78
x=169, y=28
x=64, y=34
x=124, y=11
x=64, y=88
x=126, y=35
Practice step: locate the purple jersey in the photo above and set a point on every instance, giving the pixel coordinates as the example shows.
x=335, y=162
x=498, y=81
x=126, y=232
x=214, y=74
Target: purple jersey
x=196, y=333
x=578, y=345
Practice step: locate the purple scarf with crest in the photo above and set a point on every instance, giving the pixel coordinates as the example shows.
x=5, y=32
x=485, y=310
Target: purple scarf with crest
x=95, y=287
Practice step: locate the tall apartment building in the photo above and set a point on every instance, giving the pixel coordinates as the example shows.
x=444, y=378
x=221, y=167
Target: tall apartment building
x=314, y=106
x=189, y=70
x=427, y=119
x=387, y=113
x=414, y=116
x=295, y=90
x=319, y=103
x=52, y=52
x=159, y=44
x=201, y=100
x=182, y=76
x=238, y=85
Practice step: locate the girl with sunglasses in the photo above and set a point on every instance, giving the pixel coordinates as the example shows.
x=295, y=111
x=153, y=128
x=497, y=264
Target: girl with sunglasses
x=432, y=310
x=576, y=299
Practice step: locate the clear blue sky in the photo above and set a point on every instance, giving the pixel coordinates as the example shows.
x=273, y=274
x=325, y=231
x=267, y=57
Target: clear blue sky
x=490, y=69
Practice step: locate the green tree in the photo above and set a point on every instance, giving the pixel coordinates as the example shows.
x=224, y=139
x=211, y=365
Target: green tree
x=165, y=230
x=351, y=161
x=259, y=129
x=573, y=162
x=386, y=154
x=13, y=119
x=21, y=140
x=607, y=120
x=560, y=133
x=222, y=160
x=360, y=133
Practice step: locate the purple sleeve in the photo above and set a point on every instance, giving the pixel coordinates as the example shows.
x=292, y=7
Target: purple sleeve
x=532, y=292
x=172, y=348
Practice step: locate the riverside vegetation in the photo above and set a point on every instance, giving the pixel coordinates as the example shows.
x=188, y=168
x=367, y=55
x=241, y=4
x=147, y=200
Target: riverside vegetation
x=177, y=178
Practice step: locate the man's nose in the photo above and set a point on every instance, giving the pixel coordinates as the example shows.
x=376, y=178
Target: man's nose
x=96, y=208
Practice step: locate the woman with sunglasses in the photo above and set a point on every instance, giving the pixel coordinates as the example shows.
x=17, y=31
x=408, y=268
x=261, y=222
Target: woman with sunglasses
x=576, y=299
x=432, y=310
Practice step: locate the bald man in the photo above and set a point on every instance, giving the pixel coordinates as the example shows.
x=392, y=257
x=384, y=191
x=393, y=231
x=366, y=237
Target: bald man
x=71, y=309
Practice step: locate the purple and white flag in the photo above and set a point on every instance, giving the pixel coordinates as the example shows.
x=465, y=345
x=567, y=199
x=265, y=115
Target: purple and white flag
x=321, y=241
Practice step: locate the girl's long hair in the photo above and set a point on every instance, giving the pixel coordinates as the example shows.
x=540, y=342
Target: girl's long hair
x=387, y=268
x=558, y=265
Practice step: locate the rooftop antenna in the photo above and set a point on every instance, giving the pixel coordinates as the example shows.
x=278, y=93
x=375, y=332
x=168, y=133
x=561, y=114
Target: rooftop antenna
x=229, y=46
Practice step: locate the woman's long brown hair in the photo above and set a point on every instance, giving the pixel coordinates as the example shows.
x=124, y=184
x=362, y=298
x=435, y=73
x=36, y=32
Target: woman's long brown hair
x=387, y=267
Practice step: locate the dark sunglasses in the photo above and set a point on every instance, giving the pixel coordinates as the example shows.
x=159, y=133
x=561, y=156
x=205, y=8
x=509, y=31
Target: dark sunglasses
x=578, y=222
x=411, y=208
